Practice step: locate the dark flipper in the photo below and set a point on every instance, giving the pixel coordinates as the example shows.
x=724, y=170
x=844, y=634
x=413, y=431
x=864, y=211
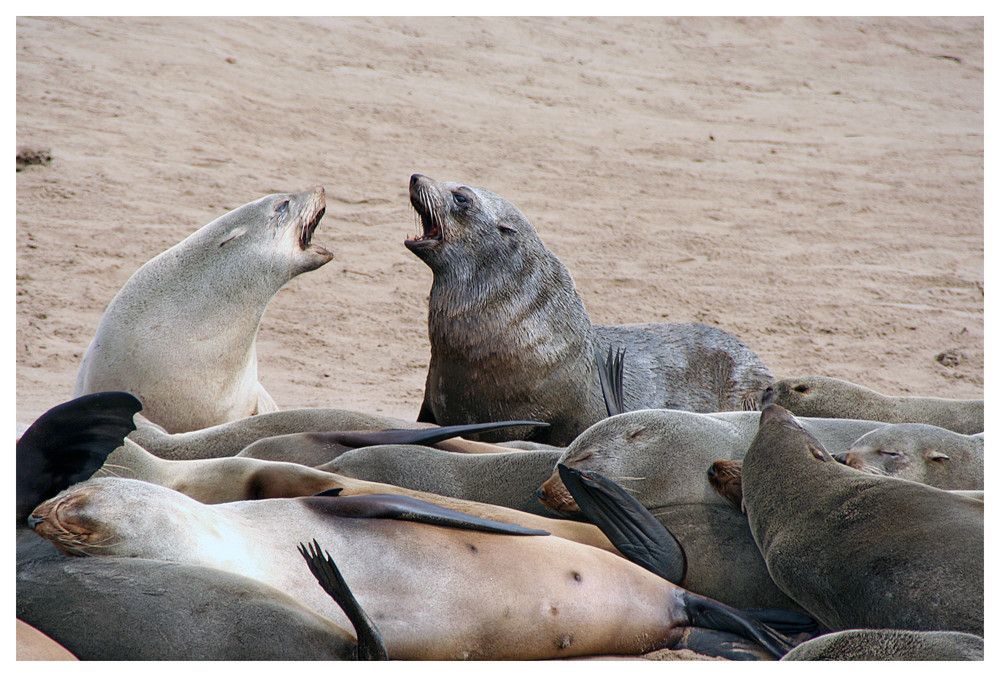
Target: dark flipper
x=69, y=443
x=788, y=623
x=627, y=524
x=370, y=644
x=611, y=373
x=391, y=506
x=424, y=436
x=426, y=414
x=707, y=613
x=721, y=644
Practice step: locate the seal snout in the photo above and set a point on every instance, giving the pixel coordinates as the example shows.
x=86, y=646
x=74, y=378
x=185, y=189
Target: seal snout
x=554, y=495
x=425, y=200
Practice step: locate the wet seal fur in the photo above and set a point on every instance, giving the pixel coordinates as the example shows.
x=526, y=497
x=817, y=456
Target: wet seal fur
x=181, y=334
x=479, y=601
x=859, y=550
x=823, y=397
x=510, y=338
x=921, y=453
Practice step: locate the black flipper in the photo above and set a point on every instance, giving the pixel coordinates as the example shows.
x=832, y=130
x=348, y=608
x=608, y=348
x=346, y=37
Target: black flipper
x=708, y=613
x=611, y=372
x=69, y=443
x=407, y=508
x=626, y=522
x=423, y=436
x=788, y=623
x=721, y=644
x=426, y=414
x=370, y=644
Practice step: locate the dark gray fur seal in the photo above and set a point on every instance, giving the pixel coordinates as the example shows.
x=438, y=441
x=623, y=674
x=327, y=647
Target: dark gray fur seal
x=889, y=645
x=822, y=397
x=859, y=550
x=511, y=340
x=921, y=453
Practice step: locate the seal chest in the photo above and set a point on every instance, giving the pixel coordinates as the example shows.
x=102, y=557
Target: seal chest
x=181, y=333
x=511, y=339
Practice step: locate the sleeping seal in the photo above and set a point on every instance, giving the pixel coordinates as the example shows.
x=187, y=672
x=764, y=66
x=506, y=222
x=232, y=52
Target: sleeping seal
x=889, y=645
x=859, y=550
x=510, y=338
x=822, y=397
x=181, y=334
x=922, y=453
x=483, y=590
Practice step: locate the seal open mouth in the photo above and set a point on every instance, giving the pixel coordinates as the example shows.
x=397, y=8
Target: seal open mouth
x=423, y=197
x=306, y=233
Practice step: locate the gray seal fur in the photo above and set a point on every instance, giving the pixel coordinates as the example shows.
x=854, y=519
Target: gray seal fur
x=921, y=453
x=823, y=397
x=662, y=456
x=511, y=340
x=181, y=334
x=889, y=645
x=859, y=550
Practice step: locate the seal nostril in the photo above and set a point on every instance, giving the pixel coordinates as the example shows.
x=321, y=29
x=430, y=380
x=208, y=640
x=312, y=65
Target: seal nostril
x=34, y=521
x=540, y=493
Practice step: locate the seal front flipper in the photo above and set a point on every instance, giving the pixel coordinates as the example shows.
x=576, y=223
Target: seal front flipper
x=422, y=436
x=391, y=506
x=426, y=414
x=69, y=443
x=708, y=613
x=370, y=644
x=611, y=372
x=626, y=522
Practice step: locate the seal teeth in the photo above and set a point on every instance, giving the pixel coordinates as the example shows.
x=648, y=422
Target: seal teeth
x=305, y=236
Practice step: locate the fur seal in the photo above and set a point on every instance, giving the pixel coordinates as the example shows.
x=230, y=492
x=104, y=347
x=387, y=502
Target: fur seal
x=510, y=338
x=822, y=397
x=889, y=645
x=922, y=453
x=662, y=456
x=181, y=333
x=35, y=645
x=435, y=593
x=859, y=550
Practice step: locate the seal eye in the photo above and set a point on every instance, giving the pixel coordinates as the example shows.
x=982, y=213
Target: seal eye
x=282, y=208
x=460, y=200
x=886, y=452
x=801, y=389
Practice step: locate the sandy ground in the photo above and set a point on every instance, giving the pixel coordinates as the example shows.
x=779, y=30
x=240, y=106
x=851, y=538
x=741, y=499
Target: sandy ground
x=814, y=186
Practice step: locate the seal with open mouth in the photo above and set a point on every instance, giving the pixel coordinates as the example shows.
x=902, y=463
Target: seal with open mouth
x=511, y=340
x=181, y=333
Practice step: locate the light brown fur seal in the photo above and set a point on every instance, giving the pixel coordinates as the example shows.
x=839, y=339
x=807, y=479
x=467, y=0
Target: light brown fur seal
x=822, y=397
x=859, y=550
x=181, y=334
x=435, y=593
x=921, y=453
x=511, y=340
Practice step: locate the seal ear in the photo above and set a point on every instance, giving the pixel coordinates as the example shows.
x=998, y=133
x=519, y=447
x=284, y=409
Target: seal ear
x=233, y=234
x=818, y=452
x=936, y=456
x=506, y=227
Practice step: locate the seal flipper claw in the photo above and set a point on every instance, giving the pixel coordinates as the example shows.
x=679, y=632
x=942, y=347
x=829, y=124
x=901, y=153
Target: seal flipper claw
x=610, y=372
x=627, y=524
x=370, y=644
x=69, y=443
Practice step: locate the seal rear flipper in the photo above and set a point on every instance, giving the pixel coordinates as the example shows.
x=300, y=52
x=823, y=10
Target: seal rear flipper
x=69, y=443
x=421, y=436
x=407, y=508
x=788, y=623
x=370, y=644
x=708, y=613
x=610, y=372
x=721, y=644
x=626, y=522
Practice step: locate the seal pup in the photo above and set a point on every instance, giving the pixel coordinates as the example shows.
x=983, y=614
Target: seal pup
x=889, y=645
x=510, y=338
x=436, y=593
x=823, y=397
x=859, y=550
x=181, y=334
x=921, y=453
x=661, y=456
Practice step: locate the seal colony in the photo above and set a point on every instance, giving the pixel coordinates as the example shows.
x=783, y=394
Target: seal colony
x=510, y=338
x=181, y=334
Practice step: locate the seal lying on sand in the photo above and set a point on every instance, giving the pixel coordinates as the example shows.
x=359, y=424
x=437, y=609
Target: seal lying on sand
x=859, y=550
x=181, y=335
x=510, y=338
x=889, y=645
x=822, y=397
x=662, y=457
x=922, y=453
x=435, y=593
